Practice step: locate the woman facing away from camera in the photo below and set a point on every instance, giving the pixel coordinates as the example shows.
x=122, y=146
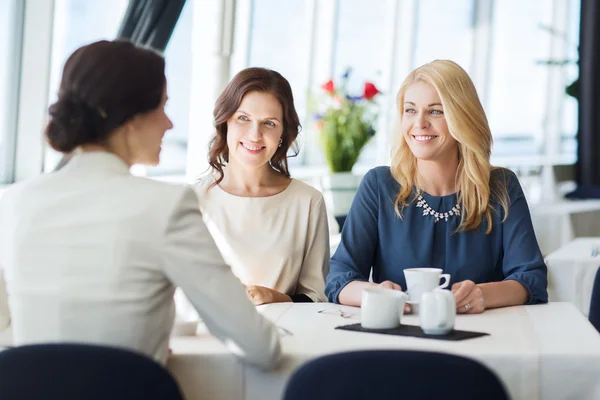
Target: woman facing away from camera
x=91, y=253
x=270, y=228
x=441, y=204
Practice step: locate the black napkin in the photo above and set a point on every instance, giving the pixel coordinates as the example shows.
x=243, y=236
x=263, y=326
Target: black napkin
x=415, y=331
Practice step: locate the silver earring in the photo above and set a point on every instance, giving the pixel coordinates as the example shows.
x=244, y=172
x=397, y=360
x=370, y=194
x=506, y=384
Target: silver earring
x=280, y=142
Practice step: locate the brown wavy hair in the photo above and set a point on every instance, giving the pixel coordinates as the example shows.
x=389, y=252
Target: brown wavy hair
x=254, y=80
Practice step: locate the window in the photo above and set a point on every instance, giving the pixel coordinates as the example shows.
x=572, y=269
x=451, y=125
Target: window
x=500, y=42
x=78, y=22
x=518, y=86
x=568, y=142
x=444, y=31
x=279, y=40
x=11, y=20
x=361, y=45
x=173, y=157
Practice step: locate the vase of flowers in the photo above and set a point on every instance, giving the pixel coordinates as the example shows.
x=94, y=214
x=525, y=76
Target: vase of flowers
x=346, y=122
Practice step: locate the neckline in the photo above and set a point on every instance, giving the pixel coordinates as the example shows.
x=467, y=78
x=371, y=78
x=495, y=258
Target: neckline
x=292, y=180
x=432, y=197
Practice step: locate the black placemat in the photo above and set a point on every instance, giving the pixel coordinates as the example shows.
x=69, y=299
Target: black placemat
x=415, y=331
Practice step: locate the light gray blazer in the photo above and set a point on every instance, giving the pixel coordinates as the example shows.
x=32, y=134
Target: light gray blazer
x=92, y=254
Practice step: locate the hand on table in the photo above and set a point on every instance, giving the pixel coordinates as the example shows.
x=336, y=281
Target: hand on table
x=469, y=297
x=263, y=295
x=390, y=285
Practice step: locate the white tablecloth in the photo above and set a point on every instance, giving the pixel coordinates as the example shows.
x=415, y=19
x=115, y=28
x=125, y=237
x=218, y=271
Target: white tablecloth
x=558, y=223
x=571, y=272
x=540, y=352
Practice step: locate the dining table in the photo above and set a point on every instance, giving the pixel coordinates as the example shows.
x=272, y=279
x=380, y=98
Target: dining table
x=547, y=351
x=572, y=270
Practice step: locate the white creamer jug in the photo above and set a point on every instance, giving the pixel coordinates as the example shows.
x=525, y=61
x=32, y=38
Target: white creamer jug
x=437, y=312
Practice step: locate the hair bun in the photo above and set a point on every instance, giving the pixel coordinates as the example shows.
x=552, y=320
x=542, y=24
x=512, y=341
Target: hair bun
x=72, y=123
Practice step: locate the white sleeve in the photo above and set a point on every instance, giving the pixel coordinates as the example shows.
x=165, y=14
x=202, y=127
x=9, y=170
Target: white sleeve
x=193, y=262
x=5, y=242
x=4, y=311
x=315, y=265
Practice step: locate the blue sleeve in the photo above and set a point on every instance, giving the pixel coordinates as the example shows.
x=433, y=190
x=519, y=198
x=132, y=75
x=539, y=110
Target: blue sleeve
x=523, y=261
x=355, y=255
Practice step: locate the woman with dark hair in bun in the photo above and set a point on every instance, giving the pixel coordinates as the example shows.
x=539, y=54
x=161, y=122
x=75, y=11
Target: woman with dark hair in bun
x=93, y=254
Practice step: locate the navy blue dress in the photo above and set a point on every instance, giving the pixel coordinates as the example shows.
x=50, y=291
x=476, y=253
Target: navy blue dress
x=374, y=236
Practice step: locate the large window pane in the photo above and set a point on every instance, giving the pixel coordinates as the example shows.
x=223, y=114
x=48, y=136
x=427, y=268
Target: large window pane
x=444, y=31
x=178, y=56
x=11, y=18
x=79, y=22
x=518, y=86
x=360, y=40
x=279, y=40
x=360, y=45
x=569, y=121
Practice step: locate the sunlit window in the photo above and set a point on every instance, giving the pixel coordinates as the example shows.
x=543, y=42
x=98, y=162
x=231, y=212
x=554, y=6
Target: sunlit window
x=10, y=22
x=78, y=22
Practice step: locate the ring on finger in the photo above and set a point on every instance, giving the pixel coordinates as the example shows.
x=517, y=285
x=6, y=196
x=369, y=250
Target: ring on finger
x=467, y=306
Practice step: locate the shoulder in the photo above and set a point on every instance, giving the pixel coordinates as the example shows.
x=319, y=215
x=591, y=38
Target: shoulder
x=379, y=179
x=301, y=196
x=33, y=188
x=150, y=191
x=16, y=189
x=380, y=174
x=297, y=188
x=505, y=175
x=203, y=184
x=504, y=181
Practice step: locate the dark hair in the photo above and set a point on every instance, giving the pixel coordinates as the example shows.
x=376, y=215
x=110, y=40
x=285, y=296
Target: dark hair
x=249, y=80
x=104, y=84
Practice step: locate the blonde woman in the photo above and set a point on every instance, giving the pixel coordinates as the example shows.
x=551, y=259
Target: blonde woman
x=441, y=204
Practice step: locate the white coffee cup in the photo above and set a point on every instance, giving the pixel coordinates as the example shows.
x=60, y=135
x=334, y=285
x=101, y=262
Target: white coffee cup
x=382, y=308
x=437, y=312
x=422, y=280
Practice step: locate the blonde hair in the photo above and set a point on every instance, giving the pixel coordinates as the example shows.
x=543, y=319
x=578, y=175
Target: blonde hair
x=468, y=125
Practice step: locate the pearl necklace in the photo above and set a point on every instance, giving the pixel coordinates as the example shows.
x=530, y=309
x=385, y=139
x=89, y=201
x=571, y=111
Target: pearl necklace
x=427, y=210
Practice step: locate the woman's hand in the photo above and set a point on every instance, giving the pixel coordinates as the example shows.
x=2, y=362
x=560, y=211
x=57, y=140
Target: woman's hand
x=390, y=285
x=263, y=295
x=395, y=286
x=469, y=297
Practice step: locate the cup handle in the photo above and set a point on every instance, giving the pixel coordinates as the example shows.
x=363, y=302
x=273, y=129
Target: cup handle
x=446, y=283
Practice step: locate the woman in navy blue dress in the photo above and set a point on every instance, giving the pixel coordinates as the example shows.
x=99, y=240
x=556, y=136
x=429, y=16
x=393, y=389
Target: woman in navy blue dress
x=441, y=204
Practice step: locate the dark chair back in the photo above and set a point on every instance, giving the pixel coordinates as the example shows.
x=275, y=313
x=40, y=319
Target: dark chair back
x=79, y=371
x=595, y=303
x=394, y=374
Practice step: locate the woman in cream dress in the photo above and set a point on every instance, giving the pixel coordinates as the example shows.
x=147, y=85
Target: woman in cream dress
x=270, y=228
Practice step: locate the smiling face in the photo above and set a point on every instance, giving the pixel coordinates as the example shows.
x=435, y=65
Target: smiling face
x=254, y=130
x=424, y=125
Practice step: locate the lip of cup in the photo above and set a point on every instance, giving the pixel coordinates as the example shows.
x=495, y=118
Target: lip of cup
x=425, y=269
